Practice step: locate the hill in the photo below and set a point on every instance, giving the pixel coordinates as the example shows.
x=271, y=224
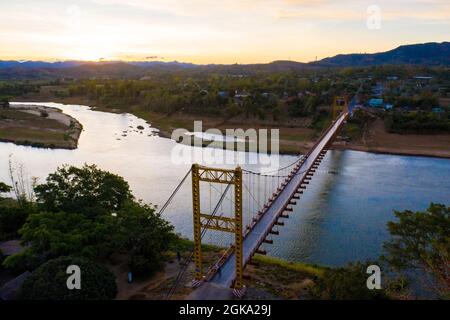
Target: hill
x=427, y=54
x=430, y=54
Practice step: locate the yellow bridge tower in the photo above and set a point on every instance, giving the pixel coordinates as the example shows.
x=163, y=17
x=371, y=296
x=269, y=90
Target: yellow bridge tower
x=218, y=223
x=340, y=104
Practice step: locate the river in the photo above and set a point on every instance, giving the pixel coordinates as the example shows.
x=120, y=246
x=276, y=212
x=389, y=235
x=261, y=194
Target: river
x=341, y=217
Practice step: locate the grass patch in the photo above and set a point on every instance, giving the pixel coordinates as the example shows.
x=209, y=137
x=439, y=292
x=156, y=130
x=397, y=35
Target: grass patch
x=31, y=120
x=25, y=128
x=296, y=136
x=33, y=137
x=31, y=134
x=15, y=115
x=311, y=269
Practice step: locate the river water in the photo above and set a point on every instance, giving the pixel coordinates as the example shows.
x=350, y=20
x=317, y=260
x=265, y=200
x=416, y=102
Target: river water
x=341, y=217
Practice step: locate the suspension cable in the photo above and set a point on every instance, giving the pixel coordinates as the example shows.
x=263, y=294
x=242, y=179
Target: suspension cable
x=248, y=190
x=278, y=170
x=164, y=207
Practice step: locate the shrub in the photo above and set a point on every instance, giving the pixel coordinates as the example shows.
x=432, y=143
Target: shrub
x=4, y=188
x=44, y=114
x=2, y=258
x=4, y=103
x=417, y=122
x=145, y=265
x=345, y=283
x=27, y=260
x=420, y=241
x=48, y=282
x=54, y=234
x=146, y=236
x=12, y=218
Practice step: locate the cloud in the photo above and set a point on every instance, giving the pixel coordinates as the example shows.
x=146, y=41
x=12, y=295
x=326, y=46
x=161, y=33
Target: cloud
x=322, y=10
x=343, y=10
x=216, y=30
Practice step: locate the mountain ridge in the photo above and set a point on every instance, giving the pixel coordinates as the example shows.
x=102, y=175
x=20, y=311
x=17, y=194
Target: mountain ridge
x=427, y=54
x=430, y=53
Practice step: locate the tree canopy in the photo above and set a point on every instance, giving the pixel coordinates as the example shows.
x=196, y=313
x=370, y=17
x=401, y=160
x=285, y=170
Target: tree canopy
x=89, y=213
x=48, y=282
x=421, y=240
x=345, y=283
x=87, y=190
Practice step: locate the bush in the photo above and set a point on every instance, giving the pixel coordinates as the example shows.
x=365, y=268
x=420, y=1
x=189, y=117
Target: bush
x=4, y=103
x=4, y=188
x=345, y=283
x=145, y=265
x=48, y=282
x=27, y=260
x=417, y=122
x=12, y=218
x=420, y=241
x=54, y=234
x=146, y=235
x=44, y=114
x=2, y=258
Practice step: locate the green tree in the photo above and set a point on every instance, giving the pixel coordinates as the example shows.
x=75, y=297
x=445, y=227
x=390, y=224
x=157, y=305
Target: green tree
x=48, y=282
x=87, y=190
x=345, y=283
x=54, y=234
x=421, y=240
x=13, y=217
x=4, y=188
x=136, y=229
x=106, y=222
x=146, y=235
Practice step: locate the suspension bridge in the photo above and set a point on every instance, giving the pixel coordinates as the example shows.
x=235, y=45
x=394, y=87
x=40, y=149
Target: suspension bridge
x=260, y=201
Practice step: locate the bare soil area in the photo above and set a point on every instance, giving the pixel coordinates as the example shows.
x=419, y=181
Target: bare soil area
x=379, y=141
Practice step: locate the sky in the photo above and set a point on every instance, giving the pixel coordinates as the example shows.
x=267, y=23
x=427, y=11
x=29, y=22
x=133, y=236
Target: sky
x=214, y=31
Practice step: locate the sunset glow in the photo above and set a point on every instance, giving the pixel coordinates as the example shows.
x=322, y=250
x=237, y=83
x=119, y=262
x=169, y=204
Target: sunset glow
x=202, y=31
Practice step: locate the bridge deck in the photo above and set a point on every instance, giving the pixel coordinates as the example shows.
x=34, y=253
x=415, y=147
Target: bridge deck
x=258, y=233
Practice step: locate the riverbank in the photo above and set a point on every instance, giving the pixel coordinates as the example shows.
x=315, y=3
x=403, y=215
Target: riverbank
x=378, y=140
x=295, y=137
x=38, y=126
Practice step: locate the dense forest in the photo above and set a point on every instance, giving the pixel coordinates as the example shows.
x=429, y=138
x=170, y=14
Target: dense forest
x=268, y=96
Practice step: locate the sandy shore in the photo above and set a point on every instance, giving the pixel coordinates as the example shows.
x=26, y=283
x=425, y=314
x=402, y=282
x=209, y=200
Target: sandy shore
x=39, y=126
x=53, y=113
